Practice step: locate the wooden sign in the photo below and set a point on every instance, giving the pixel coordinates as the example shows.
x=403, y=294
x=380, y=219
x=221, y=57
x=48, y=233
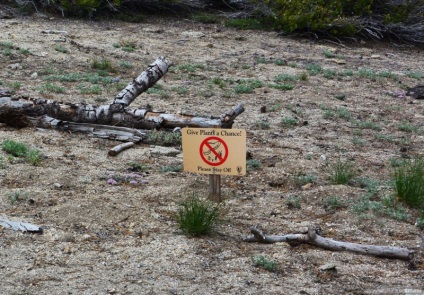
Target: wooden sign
x=214, y=151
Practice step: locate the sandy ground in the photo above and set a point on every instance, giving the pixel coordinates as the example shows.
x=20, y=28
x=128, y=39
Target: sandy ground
x=104, y=239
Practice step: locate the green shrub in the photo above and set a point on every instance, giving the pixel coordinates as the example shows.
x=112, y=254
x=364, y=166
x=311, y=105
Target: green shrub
x=197, y=216
x=409, y=182
x=86, y=7
x=319, y=14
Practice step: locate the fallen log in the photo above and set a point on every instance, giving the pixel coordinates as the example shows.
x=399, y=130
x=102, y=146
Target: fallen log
x=20, y=112
x=312, y=238
x=114, y=114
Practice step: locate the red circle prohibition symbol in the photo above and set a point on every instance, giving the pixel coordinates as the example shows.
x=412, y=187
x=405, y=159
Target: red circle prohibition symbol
x=211, y=146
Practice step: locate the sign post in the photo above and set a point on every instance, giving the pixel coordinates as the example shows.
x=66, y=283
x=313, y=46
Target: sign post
x=215, y=152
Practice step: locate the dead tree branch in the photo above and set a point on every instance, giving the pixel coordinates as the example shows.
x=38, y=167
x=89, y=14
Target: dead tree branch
x=312, y=238
x=24, y=111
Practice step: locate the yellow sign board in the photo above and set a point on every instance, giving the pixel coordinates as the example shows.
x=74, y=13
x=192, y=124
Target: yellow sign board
x=214, y=151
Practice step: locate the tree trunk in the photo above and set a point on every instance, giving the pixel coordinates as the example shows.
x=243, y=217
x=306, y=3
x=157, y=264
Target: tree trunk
x=312, y=238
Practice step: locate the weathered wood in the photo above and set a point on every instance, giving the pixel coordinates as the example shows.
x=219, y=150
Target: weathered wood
x=312, y=238
x=22, y=226
x=95, y=130
x=113, y=114
x=119, y=148
x=147, y=79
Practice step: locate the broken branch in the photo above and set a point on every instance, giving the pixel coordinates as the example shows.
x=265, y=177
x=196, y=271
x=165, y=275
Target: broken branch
x=119, y=148
x=312, y=238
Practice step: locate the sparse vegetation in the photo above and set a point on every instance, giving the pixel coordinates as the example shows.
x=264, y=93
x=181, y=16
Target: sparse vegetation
x=17, y=196
x=281, y=86
x=164, y=138
x=253, y=164
x=333, y=203
x=328, y=54
x=289, y=121
x=103, y=65
x=174, y=168
x=126, y=64
x=294, y=202
x=264, y=262
x=20, y=150
x=313, y=69
x=409, y=182
x=302, y=179
x=197, y=216
x=49, y=87
x=263, y=125
x=189, y=68
x=15, y=85
x=61, y=48
x=407, y=127
x=415, y=75
x=342, y=172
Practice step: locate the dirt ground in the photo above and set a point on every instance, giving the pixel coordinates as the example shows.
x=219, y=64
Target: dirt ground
x=123, y=239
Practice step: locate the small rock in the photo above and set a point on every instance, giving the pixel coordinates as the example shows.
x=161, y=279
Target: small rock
x=375, y=56
x=57, y=185
x=328, y=267
x=34, y=75
x=323, y=157
x=307, y=186
x=67, y=249
x=14, y=66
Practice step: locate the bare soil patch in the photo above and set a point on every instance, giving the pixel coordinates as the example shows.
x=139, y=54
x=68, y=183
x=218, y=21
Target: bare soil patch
x=104, y=239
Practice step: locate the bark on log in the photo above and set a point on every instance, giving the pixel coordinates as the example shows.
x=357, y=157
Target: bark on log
x=95, y=130
x=312, y=238
x=114, y=114
x=147, y=79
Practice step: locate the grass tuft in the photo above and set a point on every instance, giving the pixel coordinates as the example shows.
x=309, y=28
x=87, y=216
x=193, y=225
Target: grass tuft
x=197, y=216
x=409, y=182
x=343, y=172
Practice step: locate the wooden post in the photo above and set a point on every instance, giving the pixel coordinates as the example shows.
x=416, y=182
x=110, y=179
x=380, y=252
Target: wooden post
x=215, y=187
